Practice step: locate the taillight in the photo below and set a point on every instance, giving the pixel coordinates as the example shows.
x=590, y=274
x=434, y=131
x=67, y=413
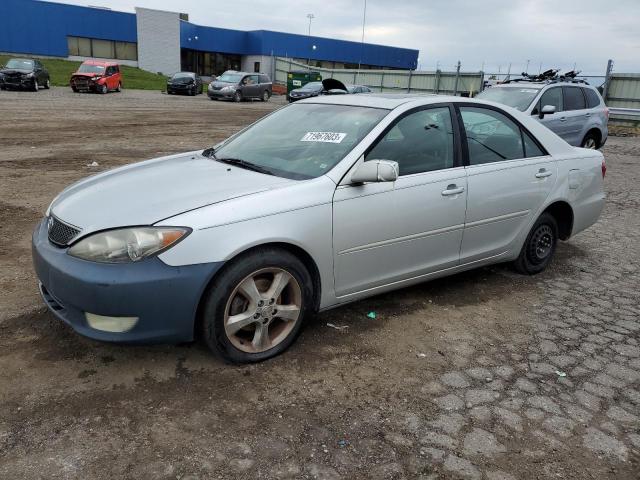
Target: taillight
x=606, y=112
x=604, y=168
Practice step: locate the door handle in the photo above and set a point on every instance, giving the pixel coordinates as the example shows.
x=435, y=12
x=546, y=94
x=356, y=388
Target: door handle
x=563, y=119
x=452, y=189
x=543, y=172
x=587, y=114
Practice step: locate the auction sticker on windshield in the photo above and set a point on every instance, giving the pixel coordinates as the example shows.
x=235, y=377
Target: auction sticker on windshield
x=328, y=137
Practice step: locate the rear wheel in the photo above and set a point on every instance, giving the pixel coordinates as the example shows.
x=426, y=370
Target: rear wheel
x=265, y=96
x=119, y=88
x=591, y=141
x=255, y=309
x=539, y=247
x=47, y=84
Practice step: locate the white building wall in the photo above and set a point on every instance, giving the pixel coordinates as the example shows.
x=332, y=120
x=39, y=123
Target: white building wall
x=266, y=63
x=158, y=40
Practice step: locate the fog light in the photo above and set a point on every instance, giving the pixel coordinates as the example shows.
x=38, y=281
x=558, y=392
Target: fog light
x=110, y=324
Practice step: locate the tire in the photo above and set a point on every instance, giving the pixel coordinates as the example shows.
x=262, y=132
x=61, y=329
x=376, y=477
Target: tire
x=265, y=96
x=47, y=84
x=262, y=268
x=102, y=89
x=237, y=97
x=74, y=89
x=590, y=141
x=119, y=88
x=35, y=85
x=538, y=249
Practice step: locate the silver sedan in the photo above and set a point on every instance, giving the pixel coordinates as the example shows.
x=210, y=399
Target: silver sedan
x=323, y=202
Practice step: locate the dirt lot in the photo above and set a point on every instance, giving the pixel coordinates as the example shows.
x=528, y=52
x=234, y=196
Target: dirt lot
x=458, y=378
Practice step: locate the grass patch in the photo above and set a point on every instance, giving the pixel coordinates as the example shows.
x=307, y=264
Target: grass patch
x=60, y=71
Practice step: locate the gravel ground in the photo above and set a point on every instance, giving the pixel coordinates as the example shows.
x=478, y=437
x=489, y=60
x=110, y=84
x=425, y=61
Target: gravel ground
x=483, y=375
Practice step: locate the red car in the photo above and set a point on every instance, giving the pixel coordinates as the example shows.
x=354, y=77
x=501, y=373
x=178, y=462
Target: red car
x=97, y=76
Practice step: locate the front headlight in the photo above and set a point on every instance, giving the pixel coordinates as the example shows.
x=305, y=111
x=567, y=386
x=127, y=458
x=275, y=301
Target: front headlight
x=30, y=75
x=227, y=88
x=127, y=244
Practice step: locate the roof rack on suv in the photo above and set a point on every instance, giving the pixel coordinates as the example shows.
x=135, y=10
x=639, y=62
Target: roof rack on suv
x=549, y=76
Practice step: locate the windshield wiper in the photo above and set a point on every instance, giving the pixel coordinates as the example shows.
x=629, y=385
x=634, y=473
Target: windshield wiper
x=244, y=164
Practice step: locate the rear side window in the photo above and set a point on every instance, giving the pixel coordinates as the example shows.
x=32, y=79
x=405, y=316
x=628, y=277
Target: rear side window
x=494, y=137
x=553, y=97
x=264, y=79
x=573, y=98
x=593, y=99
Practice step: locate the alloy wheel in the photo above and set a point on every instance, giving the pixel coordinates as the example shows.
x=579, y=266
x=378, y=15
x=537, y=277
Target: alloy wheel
x=262, y=310
x=590, y=143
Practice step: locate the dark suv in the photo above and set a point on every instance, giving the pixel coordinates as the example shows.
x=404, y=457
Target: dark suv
x=238, y=86
x=24, y=73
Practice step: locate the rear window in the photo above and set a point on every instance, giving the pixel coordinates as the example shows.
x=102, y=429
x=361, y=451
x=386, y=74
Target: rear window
x=573, y=98
x=593, y=99
x=516, y=97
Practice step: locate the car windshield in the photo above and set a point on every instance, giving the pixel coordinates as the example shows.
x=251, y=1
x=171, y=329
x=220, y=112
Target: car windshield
x=302, y=141
x=182, y=76
x=86, y=68
x=230, y=77
x=312, y=86
x=20, y=64
x=516, y=97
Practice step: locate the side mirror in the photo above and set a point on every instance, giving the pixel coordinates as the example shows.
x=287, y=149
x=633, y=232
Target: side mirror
x=547, y=110
x=376, y=171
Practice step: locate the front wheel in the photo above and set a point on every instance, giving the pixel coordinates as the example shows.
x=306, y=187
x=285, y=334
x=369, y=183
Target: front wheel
x=103, y=88
x=237, y=97
x=539, y=247
x=255, y=309
x=35, y=85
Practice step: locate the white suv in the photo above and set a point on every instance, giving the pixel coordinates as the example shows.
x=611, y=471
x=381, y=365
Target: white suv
x=572, y=109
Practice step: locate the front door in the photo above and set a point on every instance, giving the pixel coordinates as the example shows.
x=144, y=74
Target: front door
x=509, y=177
x=389, y=232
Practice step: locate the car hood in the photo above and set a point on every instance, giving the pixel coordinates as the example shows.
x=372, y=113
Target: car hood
x=147, y=192
x=15, y=70
x=222, y=84
x=90, y=75
x=333, y=84
x=180, y=81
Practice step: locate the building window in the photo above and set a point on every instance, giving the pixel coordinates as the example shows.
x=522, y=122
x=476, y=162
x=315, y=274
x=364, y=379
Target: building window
x=256, y=67
x=92, y=47
x=208, y=63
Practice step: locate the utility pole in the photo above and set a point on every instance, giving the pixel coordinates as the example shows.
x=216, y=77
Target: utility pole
x=526, y=70
x=310, y=16
x=364, y=19
x=607, y=79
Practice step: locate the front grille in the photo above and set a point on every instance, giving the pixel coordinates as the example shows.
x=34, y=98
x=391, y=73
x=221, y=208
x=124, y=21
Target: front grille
x=60, y=233
x=81, y=82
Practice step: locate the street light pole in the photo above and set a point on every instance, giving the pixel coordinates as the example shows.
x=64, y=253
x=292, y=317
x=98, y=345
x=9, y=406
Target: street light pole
x=364, y=18
x=310, y=16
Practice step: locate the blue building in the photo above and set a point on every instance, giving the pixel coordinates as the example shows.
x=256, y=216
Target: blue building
x=166, y=42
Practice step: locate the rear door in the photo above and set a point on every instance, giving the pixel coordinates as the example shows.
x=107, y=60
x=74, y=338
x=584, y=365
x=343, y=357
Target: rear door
x=393, y=231
x=575, y=112
x=509, y=176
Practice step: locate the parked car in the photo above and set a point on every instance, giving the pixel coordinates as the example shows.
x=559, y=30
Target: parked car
x=238, y=86
x=97, y=76
x=331, y=86
x=323, y=202
x=184, y=82
x=24, y=73
x=311, y=89
x=574, y=110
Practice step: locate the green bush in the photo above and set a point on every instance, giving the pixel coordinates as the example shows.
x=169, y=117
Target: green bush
x=60, y=71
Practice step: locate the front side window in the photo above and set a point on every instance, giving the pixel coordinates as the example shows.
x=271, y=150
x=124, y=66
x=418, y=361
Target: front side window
x=302, y=141
x=552, y=97
x=420, y=142
x=491, y=136
x=573, y=98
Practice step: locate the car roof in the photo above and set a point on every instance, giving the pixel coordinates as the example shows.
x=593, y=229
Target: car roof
x=380, y=100
x=105, y=63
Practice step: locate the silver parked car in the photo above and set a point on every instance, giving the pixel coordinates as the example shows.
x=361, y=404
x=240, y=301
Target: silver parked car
x=323, y=202
x=572, y=109
x=239, y=86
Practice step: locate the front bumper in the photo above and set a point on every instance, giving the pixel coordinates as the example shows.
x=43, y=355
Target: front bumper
x=17, y=82
x=180, y=88
x=164, y=298
x=85, y=86
x=220, y=93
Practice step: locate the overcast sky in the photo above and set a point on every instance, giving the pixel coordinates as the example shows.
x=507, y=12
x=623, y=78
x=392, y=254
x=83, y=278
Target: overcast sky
x=556, y=33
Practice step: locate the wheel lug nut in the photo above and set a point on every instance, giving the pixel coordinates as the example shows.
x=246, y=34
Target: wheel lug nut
x=260, y=303
x=256, y=315
x=272, y=301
